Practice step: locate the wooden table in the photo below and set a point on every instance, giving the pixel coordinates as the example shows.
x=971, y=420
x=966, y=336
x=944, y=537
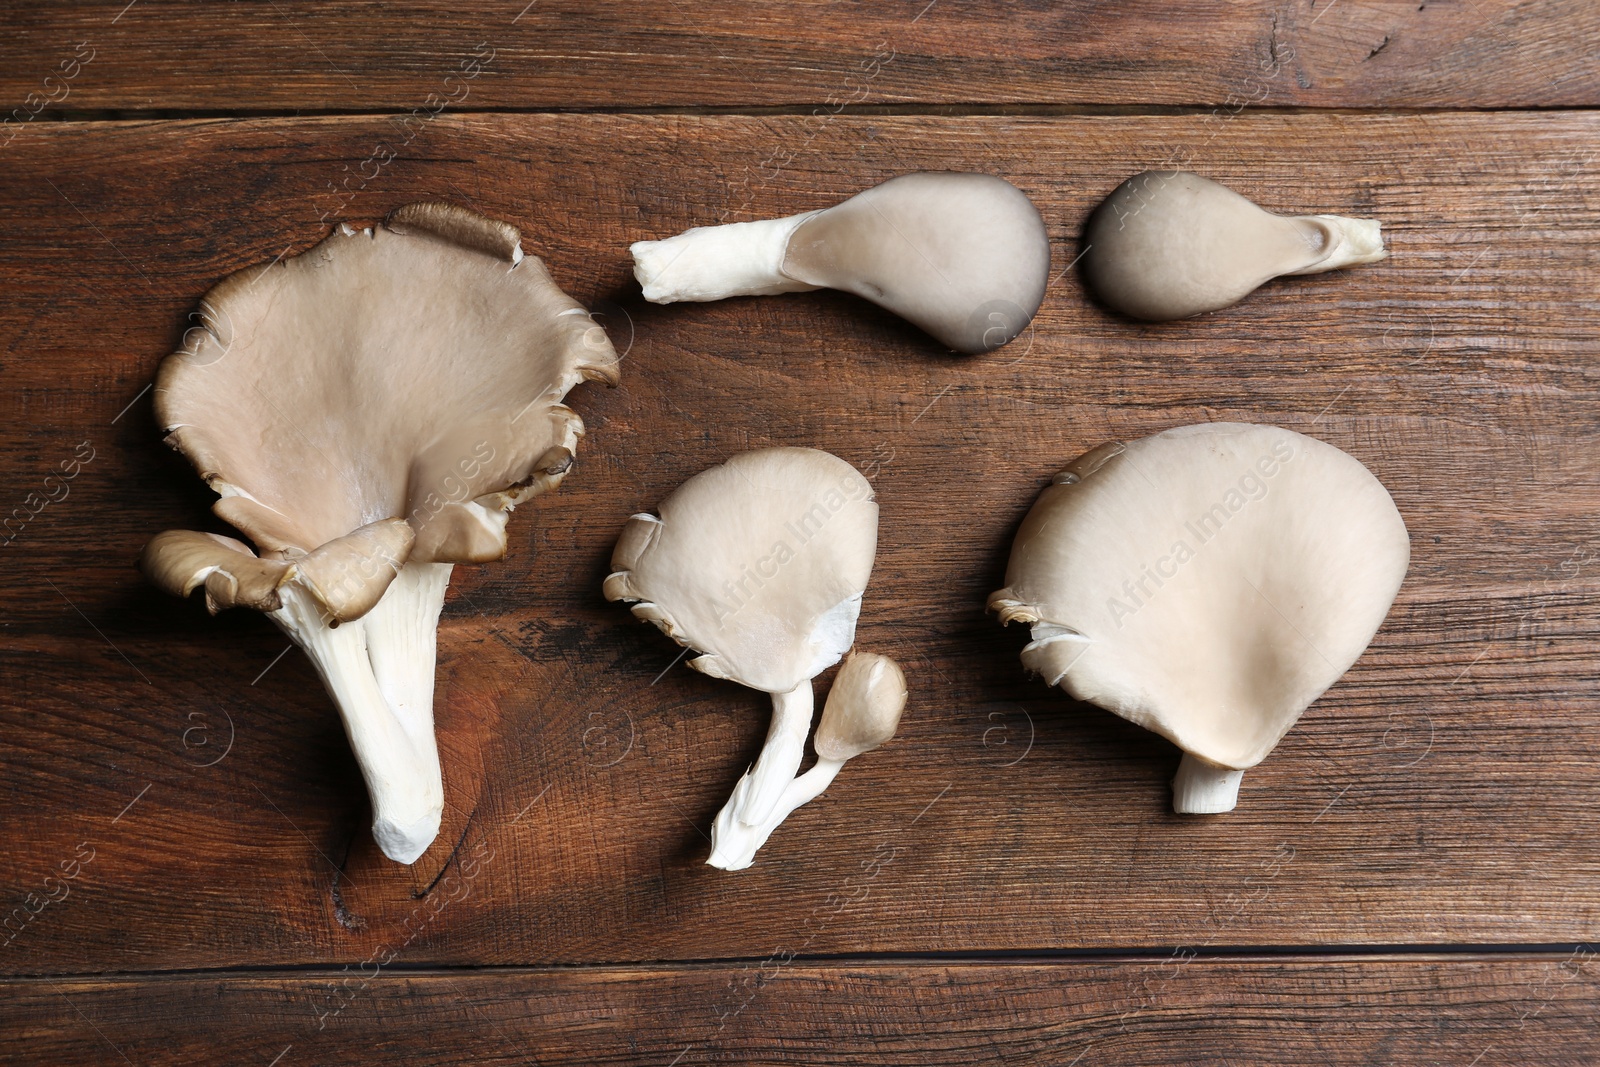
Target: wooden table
x=1413, y=877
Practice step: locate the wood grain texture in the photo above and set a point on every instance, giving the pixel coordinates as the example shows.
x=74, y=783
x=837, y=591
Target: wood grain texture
x=1444, y=791
x=293, y=54
x=1176, y=1011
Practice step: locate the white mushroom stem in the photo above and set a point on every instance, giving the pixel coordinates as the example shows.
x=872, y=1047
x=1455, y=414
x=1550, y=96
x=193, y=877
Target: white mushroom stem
x=393, y=742
x=1204, y=788
x=734, y=844
x=780, y=758
x=403, y=641
x=716, y=262
x=1348, y=242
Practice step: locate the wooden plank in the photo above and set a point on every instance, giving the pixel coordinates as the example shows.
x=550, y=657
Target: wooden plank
x=1180, y=1010
x=295, y=55
x=1443, y=792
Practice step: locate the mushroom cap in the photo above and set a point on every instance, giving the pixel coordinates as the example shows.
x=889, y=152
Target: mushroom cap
x=1207, y=583
x=758, y=563
x=410, y=373
x=963, y=256
x=864, y=706
x=178, y=561
x=1171, y=244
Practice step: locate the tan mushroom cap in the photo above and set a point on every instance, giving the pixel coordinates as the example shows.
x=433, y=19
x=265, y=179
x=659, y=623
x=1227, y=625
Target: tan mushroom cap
x=348, y=575
x=178, y=561
x=1207, y=583
x=759, y=563
x=864, y=707
x=410, y=373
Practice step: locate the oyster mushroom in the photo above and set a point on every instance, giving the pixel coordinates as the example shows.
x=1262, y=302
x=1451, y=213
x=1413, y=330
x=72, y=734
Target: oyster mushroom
x=758, y=564
x=965, y=257
x=862, y=712
x=1171, y=244
x=1207, y=583
x=368, y=413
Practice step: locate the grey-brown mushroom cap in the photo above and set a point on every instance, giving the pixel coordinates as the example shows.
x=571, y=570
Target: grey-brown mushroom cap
x=1207, y=583
x=179, y=561
x=758, y=563
x=963, y=256
x=412, y=372
x=1170, y=244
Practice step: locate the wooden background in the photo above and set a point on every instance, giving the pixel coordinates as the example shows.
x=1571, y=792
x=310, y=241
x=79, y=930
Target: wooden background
x=1412, y=877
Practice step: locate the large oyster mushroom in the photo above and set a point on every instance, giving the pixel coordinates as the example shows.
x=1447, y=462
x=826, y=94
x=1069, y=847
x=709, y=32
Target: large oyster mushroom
x=963, y=256
x=368, y=413
x=759, y=564
x=1207, y=583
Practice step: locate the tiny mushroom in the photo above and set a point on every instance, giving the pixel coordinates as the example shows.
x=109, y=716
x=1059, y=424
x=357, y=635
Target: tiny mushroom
x=368, y=413
x=1207, y=583
x=965, y=257
x=862, y=712
x=759, y=564
x=1171, y=244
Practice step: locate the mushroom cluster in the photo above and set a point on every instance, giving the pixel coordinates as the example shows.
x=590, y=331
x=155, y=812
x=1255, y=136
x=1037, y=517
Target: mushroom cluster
x=759, y=564
x=368, y=413
x=965, y=257
x=1207, y=583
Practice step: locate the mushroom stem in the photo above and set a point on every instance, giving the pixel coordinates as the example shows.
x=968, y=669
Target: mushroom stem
x=734, y=844
x=780, y=757
x=1204, y=788
x=398, y=760
x=403, y=642
x=716, y=262
x=1345, y=242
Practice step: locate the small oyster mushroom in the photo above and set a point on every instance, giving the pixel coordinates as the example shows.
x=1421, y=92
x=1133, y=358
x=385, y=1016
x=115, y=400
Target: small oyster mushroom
x=1207, y=583
x=862, y=712
x=965, y=257
x=368, y=413
x=1171, y=244
x=758, y=564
